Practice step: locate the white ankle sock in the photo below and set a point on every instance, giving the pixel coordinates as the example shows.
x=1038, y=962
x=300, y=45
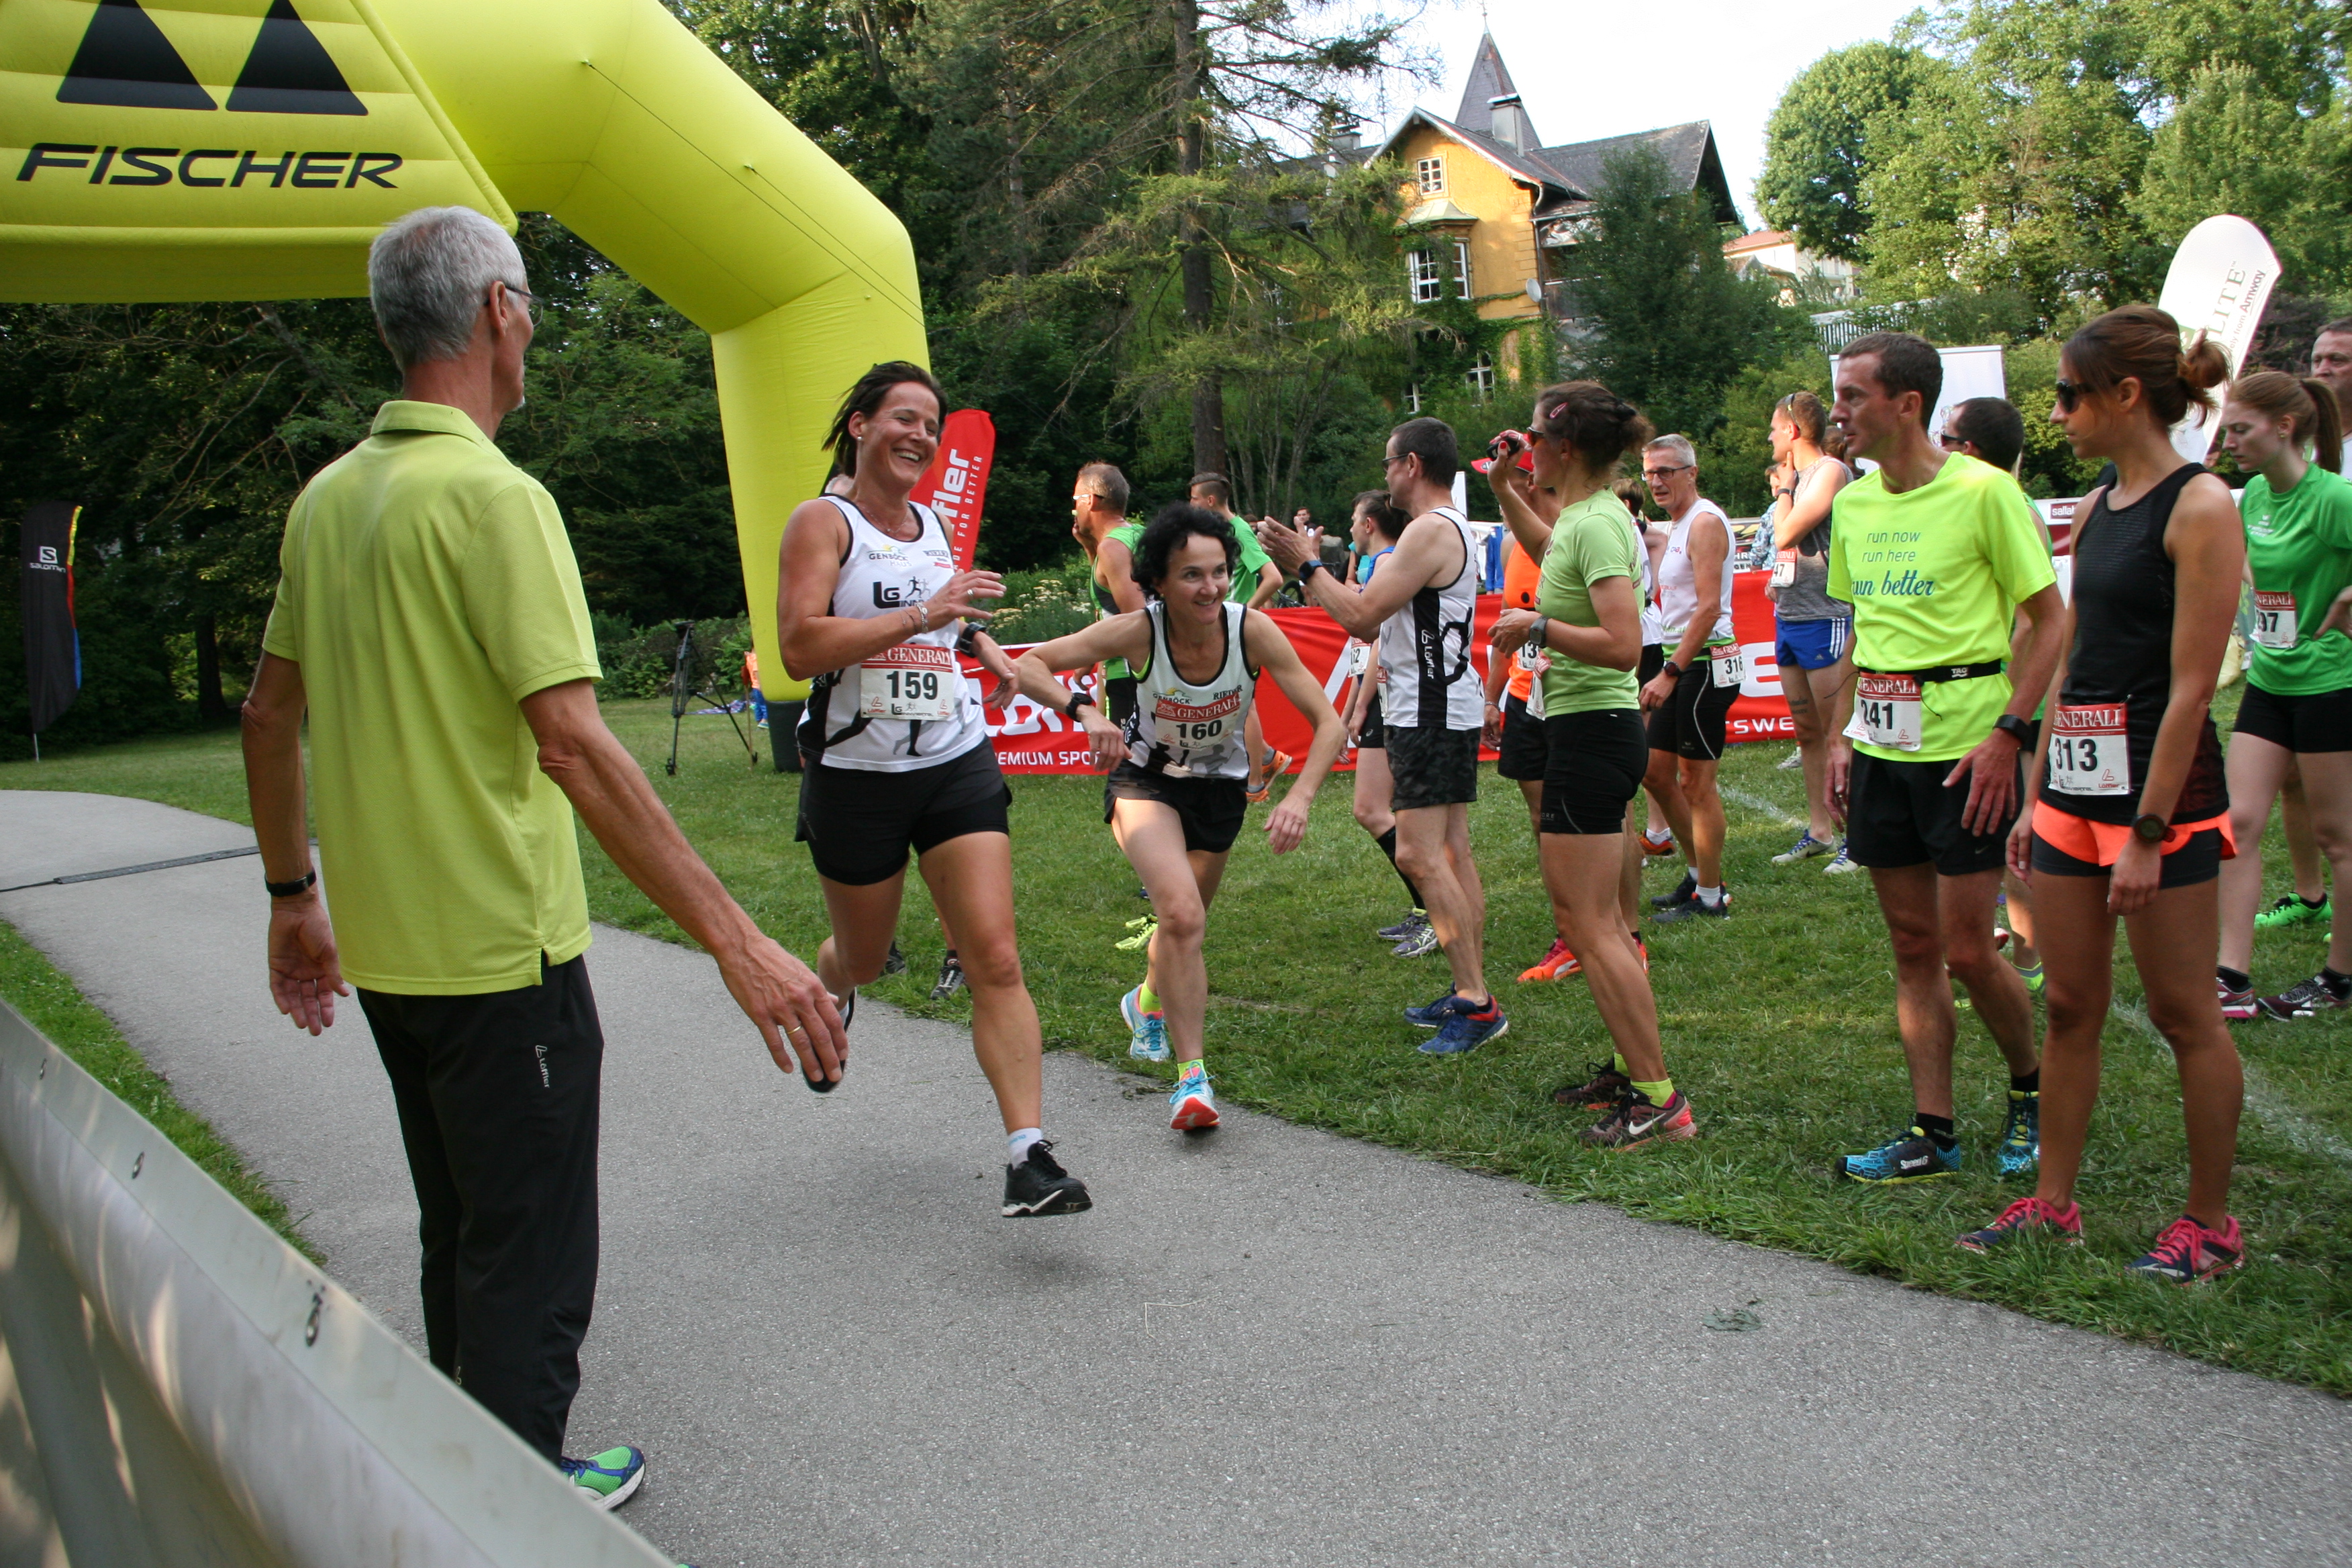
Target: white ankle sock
x=1017, y=1145
x=1710, y=896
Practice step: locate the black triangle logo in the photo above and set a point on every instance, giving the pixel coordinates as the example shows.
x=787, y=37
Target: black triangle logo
x=291, y=72
x=126, y=62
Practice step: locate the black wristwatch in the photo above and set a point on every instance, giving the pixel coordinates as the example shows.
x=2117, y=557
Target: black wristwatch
x=2149, y=828
x=1308, y=567
x=1671, y=668
x=2018, y=730
x=1078, y=701
x=301, y=884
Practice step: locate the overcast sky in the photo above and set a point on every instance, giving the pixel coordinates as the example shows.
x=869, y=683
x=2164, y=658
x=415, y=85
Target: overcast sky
x=1587, y=71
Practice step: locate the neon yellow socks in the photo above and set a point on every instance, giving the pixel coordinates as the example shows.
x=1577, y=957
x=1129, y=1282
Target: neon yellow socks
x=1145, y=999
x=1656, y=1093
x=1619, y=1062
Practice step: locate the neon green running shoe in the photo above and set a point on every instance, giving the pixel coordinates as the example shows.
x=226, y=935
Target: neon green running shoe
x=2291, y=911
x=607, y=1479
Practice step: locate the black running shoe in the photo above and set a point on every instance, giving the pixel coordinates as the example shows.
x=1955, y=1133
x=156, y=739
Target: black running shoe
x=951, y=979
x=896, y=963
x=1038, y=1185
x=1685, y=892
x=1604, y=1089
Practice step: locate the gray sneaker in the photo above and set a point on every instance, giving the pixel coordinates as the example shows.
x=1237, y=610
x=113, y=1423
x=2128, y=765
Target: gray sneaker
x=1806, y=848
x=1421, y=942
x=1841, y=865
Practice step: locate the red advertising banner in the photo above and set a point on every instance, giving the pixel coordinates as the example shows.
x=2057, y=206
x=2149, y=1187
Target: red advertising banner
x=956, y=484
x=1033, y=739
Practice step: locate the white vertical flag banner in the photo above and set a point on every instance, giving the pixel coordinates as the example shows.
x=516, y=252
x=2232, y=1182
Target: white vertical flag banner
x=2220, y=281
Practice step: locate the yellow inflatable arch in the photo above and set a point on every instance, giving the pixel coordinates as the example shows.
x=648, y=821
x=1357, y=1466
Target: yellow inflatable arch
x=180, y=150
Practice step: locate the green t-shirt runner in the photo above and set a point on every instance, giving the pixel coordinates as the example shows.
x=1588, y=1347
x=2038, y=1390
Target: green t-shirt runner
x=1593, y=539
x=2299, y=546
x=1127, y=534
x=1935, y=576
x=1253, y=560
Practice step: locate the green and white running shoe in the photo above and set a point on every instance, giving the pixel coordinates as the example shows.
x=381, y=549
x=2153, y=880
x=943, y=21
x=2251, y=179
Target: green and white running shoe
x=1147, y=1040
x=607, y=1479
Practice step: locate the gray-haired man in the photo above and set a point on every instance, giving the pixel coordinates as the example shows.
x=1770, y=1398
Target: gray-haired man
x=431, y=624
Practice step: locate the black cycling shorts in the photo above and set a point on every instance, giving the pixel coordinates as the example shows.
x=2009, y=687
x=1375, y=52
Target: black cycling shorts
x=2320, y=723
x=1595, y=766
x=1432, y=767
x=1900, y=813
x=1691, y=722
x=1525, y=749
x=859, y=825
x=1211, y=809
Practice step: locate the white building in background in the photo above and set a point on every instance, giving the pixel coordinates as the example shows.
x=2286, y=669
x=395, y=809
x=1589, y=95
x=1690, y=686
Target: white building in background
x=1775, y=253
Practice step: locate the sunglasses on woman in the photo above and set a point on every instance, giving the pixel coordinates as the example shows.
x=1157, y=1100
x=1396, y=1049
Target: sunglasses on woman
x=2070, y=392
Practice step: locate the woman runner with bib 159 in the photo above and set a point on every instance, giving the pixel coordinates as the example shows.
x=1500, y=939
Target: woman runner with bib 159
x=2297, y=710
x=1179, y=767
x=2128, y=815
x=870, y=608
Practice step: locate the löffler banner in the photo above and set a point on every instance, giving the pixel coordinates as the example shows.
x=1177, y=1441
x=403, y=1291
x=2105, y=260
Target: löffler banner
x=1033, y=739
x=956, y=484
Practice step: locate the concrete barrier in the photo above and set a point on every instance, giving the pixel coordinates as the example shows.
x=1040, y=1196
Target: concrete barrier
x=179, y=1387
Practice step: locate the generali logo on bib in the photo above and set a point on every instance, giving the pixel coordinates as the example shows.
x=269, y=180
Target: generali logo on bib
x=1177, y=712
x=2091, y=716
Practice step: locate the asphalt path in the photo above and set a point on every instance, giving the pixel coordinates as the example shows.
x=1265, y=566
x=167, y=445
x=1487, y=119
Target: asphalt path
x=1267, y=1345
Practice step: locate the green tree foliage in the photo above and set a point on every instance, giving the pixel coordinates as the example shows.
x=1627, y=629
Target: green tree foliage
x=1843, y=114
x=1674, y=329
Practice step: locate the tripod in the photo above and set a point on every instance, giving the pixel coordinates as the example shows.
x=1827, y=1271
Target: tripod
x=682, y=695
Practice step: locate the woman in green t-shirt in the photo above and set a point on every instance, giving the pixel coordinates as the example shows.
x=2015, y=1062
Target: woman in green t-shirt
x=2298, y=704
x=1586, y=631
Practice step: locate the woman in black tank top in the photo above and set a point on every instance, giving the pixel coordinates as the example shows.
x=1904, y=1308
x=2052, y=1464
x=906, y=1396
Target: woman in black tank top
x=2127, y=815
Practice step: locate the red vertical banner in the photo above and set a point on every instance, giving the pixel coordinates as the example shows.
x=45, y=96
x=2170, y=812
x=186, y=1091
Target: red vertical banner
x=956, y=484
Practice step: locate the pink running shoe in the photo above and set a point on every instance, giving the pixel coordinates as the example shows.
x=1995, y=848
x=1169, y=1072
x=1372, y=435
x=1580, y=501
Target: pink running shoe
x=2187, y=1252
x=2023, y=1217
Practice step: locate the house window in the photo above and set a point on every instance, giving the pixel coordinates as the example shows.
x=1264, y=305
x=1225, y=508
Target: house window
x=1424, y=270
x=1413, y=397
x=1430, y=173
x=1481, y=378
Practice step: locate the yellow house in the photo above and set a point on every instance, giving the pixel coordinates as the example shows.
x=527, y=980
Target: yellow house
x=1490, y=209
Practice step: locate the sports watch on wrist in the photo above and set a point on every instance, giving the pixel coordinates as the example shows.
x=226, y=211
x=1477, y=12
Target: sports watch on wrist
x=1539, y=635
x=1308, y=567
x=2149, y=828
x=2018, y=730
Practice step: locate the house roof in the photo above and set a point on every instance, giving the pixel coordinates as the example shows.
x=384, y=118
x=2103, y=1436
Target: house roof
x=1490, y=78
x=1571, y=173
x=1763, y=239
x=1518, y=166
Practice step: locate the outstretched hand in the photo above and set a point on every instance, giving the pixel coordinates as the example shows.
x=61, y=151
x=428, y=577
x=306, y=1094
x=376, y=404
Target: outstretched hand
x=306, y=973
x=791, y=1007
x=962, y=593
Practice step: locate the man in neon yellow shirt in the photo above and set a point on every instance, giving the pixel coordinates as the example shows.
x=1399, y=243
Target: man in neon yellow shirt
x=1936, y=552
x=430, y=623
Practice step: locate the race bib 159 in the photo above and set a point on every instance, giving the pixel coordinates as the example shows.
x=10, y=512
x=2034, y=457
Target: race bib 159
x=912, y=680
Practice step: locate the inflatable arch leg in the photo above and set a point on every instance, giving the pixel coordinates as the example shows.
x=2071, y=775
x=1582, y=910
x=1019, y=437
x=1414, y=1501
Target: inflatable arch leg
x=172, y=150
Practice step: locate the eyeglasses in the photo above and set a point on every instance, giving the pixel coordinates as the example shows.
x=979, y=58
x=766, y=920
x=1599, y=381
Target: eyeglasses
x=2070, y=392
x=1949, y=442
x=530, y=300
x=1659, y=476
x=1398, y=458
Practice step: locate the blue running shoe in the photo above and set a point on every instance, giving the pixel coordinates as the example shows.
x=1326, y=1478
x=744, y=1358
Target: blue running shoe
x=1913, y=1157
x=1193, y=1106
x=2021, y=1141
x=607, y=1479
x=1466, y=1030
x=1148, y=1040
x=1433, y=1017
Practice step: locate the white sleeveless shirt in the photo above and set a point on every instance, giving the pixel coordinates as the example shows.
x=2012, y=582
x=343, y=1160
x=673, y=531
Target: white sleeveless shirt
x=1678, y=585
x=1190, y=732
x=1425, y=650
x=909, y=706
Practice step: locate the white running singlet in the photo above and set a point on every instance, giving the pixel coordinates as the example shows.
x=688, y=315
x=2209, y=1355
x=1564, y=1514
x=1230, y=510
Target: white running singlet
x=1425, y=651
x=1188, y=732
x=1678, y=585
x=909, y=706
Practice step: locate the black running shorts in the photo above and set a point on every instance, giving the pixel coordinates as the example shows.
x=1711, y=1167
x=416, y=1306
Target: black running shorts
x=1119, y=698
x=1525, y=748
x=1653, y=660
x=2320, y=723
x=1211, y=809
x=2198, y=859
x=1372, y=735
x=1595, y=766
x=1900, y=813
x=858, y=825
x=1432, y=767
x=1691, y=722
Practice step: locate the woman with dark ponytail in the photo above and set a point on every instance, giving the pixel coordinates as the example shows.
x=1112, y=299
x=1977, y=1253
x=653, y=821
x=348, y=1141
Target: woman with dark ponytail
x=2128, y=816
x=2297, y=713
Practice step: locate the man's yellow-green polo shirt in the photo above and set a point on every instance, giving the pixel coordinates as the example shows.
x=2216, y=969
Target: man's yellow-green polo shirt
x=428, y=588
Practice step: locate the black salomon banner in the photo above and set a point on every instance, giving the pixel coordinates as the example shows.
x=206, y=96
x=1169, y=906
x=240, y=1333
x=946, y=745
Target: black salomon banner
x=52, y=647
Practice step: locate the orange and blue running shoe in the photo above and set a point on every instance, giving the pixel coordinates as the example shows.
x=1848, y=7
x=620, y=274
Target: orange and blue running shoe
x=2187, y=1251
x=2024, y=1217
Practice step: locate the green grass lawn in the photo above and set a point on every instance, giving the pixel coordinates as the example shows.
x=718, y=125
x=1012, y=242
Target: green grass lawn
x=1779, y=1022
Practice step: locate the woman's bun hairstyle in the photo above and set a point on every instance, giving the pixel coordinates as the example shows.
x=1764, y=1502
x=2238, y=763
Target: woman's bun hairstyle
x=2141, y=343
x=1601, y=425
